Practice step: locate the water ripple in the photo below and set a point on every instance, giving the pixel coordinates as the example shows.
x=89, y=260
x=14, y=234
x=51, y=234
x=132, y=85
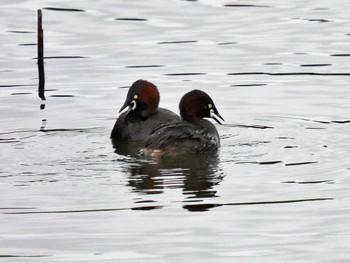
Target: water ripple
x=207, y=206
x=132, y=19
x=145, y=66
x=300, y=163
x=289, y=73
x=315, y=65
x=245, y=5
x=178, y=42
x=186, y=74
x=63, y=9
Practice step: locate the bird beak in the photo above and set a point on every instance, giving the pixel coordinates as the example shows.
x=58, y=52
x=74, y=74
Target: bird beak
x=216, y=116
x=132, y=106
x=126, y=104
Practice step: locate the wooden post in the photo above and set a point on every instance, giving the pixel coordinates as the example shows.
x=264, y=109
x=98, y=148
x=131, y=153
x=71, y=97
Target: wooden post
x=41, y=90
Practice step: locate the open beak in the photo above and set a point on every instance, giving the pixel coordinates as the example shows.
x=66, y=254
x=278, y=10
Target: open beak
x=216, y=116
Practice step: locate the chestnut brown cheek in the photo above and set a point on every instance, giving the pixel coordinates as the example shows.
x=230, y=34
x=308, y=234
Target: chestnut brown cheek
x=150, y=96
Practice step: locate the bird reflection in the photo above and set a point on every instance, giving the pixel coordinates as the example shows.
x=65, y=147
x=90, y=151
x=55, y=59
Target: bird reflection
x=197, y=175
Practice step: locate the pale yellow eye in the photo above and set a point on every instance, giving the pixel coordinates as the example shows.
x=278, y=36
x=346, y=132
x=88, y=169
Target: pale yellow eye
x=210, y=106
x=135, y=97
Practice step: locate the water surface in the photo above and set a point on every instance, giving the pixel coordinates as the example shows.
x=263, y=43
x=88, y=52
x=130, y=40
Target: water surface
x=276, y=191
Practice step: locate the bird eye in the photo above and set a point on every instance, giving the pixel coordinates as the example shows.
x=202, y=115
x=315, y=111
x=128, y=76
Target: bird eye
x=210, y=106
x=135, y=97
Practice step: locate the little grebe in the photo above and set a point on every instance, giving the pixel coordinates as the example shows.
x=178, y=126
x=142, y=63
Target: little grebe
x=143, y=115
x=192, y=134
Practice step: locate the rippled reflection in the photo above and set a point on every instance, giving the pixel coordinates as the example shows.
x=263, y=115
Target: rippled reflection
x=197, y=175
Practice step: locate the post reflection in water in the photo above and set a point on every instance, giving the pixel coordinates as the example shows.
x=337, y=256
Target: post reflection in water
x=197, y=175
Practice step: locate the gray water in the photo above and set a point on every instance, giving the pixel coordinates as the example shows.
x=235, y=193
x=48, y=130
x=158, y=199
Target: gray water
x=278, y=189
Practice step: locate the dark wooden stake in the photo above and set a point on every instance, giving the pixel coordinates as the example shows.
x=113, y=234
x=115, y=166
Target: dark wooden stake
x=41, y=90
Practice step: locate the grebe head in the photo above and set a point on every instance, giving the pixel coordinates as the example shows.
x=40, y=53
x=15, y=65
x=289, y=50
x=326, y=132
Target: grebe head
x=196, y=105
x=142, y=99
